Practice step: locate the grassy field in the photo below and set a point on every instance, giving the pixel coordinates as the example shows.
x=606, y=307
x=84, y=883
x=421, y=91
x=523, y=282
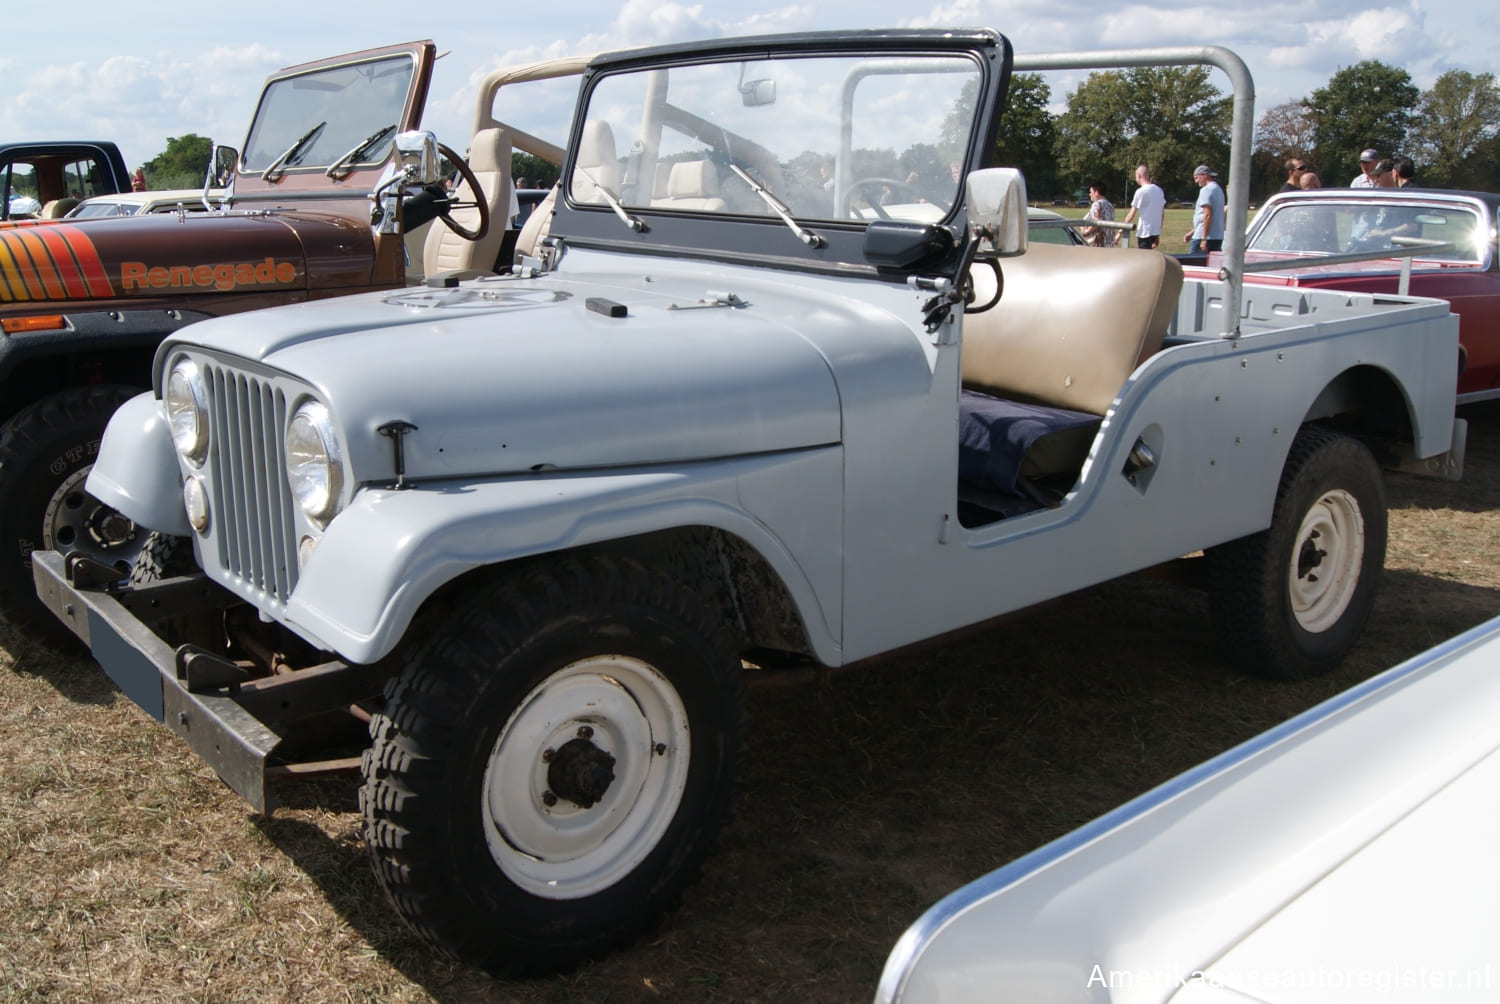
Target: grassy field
x=128, y=872
x=1175, y=223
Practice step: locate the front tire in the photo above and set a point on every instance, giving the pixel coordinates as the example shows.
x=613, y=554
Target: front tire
x=553, y=764
x=1290, y=602
x=46, y=452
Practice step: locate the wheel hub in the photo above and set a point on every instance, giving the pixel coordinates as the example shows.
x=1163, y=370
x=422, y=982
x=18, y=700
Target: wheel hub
x=1311, y=556
x=1326, y=559
x=75, y=521
x=586, y=776
x=580, y=772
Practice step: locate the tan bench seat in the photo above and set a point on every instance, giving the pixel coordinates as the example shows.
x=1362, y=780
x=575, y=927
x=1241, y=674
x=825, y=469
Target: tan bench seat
x=1043, y=366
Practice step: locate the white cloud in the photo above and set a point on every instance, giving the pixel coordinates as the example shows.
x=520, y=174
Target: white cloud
x=125, y=84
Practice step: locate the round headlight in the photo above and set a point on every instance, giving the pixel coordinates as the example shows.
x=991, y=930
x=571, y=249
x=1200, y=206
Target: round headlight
x=314, y=469
x=186, y=412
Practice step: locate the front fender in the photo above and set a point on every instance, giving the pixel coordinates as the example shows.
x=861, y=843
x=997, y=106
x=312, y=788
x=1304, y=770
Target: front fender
x=136, y=471
x=392, y=549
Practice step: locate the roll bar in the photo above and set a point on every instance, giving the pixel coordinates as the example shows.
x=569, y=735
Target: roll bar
x=1237, y=202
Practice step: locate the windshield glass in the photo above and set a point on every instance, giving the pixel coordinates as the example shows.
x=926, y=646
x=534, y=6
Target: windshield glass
x=1312, y=228
x=830, y=137
x=351, y=103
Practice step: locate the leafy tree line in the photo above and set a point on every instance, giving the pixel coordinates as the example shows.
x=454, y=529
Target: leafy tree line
x=1174, y=118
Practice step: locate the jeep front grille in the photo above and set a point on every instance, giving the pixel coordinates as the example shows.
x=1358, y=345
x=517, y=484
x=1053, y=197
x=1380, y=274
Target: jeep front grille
x=253, y=528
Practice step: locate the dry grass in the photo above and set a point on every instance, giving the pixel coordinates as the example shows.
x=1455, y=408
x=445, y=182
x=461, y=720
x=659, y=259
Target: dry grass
x=128, y=872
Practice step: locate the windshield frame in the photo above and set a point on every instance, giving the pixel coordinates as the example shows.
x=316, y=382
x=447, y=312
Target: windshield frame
x=258, y=153
x=764, y=238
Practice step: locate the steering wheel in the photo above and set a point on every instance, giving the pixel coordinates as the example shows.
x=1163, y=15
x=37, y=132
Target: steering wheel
x=896, y=185
x=478, y=202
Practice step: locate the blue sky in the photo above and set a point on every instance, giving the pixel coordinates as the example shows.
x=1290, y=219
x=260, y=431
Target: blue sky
x=138, y=75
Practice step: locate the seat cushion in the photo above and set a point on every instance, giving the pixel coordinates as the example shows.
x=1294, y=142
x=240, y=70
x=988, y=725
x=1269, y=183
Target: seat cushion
x=1000, y=439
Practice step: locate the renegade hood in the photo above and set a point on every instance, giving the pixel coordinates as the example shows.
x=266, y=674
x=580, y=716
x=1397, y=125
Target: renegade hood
x=167, y=254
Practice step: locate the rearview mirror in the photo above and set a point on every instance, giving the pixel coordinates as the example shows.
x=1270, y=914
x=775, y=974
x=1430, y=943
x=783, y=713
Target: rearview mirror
x=755, y=93
x=996, y=200
x=758, y=92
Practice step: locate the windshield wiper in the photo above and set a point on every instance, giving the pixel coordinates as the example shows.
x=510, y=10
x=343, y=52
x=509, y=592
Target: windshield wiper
x=778, y=207
x=278, y=166
x=632, y=222
x=364, y=147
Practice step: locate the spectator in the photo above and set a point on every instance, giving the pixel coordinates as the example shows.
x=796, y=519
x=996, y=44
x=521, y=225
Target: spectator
x=1367, y=162
x=1309, y=180
x=1100, y=208
x=1294, y=169
x=522, y=183
x=1385, y=174
x=138, y=180
x=1150, y=201
x=1405, y=172
x=1208, y=213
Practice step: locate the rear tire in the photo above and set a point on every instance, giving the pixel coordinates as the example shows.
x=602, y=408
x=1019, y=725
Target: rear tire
x=46, y=451
x=1290, y=602
x=553, y=765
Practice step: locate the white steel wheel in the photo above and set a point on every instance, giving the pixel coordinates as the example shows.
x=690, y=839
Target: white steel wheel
x=1326, y=560
x=551, y=767
x=586, y=776
x=1290, y=602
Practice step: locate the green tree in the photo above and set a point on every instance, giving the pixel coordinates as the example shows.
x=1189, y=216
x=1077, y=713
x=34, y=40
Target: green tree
x=537, y=172
x=1284, y=131
x=1028, y=134
x=1171, y=118
x=183, y=164
x=1454, y=120
x=1369, y=104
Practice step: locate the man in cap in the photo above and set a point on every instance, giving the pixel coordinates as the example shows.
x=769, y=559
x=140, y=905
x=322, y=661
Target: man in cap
x=1208, y=213
x=1367, y=162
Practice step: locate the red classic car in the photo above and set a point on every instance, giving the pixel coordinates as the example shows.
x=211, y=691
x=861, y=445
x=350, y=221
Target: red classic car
x=1335, y=221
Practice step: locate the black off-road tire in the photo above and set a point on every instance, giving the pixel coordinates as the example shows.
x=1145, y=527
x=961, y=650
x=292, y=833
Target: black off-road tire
x=45, y=452
x=1290, y=602
x=535, y=680
x=163, y=556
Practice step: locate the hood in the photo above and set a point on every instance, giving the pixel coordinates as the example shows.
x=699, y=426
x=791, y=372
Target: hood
x=511, y=376
x=167, y=255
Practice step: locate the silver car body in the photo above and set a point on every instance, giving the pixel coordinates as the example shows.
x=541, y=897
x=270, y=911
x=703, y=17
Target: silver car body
x=1346, y=855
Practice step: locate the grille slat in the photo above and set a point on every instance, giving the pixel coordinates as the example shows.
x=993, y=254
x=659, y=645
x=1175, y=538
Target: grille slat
x=254, y=526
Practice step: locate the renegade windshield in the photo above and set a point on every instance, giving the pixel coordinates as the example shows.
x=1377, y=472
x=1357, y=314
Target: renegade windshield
x=804, y=139
x=331, y=114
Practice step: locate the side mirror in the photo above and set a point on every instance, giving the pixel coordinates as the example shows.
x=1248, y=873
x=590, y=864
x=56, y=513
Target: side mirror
x=223, y=161
x=996, y=199
x=417, y=158
x=222, y=164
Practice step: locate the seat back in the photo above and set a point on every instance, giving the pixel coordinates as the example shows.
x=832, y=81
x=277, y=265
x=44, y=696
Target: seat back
x=444, y=250
x=58, y=208
x=1072, y=325
x=536, y=227
x=693, y=185
x=596, y=159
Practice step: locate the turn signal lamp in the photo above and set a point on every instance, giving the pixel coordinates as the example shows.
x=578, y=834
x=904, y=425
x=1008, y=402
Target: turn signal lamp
x=43, y=322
